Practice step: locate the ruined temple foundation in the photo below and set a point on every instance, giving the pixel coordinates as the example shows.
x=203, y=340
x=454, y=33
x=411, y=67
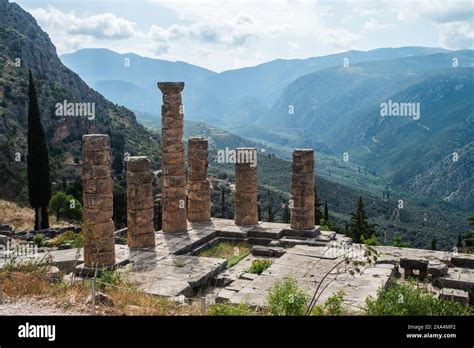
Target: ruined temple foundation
x=199, y=194
x=302, y=190
x=173, y=171
x=140, y=212
x=98, y=228
x=246, y=212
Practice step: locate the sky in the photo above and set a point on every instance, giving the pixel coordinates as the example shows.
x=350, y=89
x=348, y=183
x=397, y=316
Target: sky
x=230, y=34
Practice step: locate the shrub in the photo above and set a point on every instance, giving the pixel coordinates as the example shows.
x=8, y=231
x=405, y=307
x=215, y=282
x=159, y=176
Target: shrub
x=75, y=239
x=38, y=240
x=408, y=299
x=286, y=298
x=332, y=306
x=259, y=265
x=370, y=241
x=111, y=278
x=65, y=206
x=227, y=310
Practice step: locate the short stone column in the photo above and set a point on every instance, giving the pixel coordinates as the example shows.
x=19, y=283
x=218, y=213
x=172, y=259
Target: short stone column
x=199, y=194
x=140, y=212
x=172, y=155
x=302, y=190
x=98, y=228
x=246, y=212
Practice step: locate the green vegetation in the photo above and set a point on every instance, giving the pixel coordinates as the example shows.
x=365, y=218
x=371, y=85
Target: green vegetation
x=286, y=298
x=76, y=240
x=359, y=227
x=409, y=299
x=370, y=241
x=233, y=252
x=259, y=265
x=38, y=240
x=111, y=278
x=227, y=310
x=39, y=182
x=65, y=207
x=332, y=306
x=397, y=242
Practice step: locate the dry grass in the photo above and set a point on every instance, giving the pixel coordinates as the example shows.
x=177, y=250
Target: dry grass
x=127, y=301
x=22, y=218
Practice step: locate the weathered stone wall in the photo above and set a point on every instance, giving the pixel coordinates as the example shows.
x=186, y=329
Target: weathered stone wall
x=140, y=213
x=302, y=190
x=173, y=169
x=98, y=228
x=199, y=194
x=246, y=212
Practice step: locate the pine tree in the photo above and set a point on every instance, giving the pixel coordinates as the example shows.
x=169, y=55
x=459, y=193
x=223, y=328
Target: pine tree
x=359, y=225
x=433, y=244
x=39, y=182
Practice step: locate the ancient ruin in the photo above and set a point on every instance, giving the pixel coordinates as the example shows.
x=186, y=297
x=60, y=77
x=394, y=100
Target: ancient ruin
x=172, y=149
x=246, y=212
x=302, y=190
x=98, y=229
x=140, y=213
x=199, y=195
x=169, y=264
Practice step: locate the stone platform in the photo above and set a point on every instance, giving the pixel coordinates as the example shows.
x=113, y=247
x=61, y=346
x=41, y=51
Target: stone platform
x=171, y=268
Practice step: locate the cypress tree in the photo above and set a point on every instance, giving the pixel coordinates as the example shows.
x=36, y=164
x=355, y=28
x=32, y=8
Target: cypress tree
x=459, y=242
x=270, y=213
x=326, y=212
x=223, y=204
x=286, y=216
x=39, y=182
x=359, y=225
x=433, y=244
x=317, y=211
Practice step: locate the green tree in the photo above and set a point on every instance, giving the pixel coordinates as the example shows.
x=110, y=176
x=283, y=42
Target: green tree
x=158, y=220
x=317, y=211
x=433, y=244
x=286, y=216
x=120, y=206
x=459, y=241
x=397, y=242
x=326, y=212
x=39, y=182
x=65, y=207
x=270, y=213
x=469, y=237
x=223, y=203
x=359, y=226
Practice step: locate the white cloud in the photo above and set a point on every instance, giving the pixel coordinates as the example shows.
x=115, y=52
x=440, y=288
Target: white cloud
x=339, y=38
x=101, y=26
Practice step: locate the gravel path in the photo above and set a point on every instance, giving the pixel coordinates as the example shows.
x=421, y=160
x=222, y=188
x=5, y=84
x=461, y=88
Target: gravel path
x=33, y=307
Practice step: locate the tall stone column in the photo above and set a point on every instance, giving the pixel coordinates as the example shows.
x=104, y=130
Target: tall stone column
x=302, y=190
x=246, y=212
x=140, y=212
x=174, y=179
x=98, y=228
x=199, y=194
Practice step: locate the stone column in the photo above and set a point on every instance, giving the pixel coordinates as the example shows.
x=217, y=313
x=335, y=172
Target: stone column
x=302, y=190
x=172, y=149
x=246, y=212
x=140, y=213
x=98, y=228
x=199, y=194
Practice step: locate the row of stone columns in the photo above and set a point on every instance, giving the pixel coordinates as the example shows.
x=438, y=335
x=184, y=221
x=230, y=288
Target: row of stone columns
x=99, y=248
